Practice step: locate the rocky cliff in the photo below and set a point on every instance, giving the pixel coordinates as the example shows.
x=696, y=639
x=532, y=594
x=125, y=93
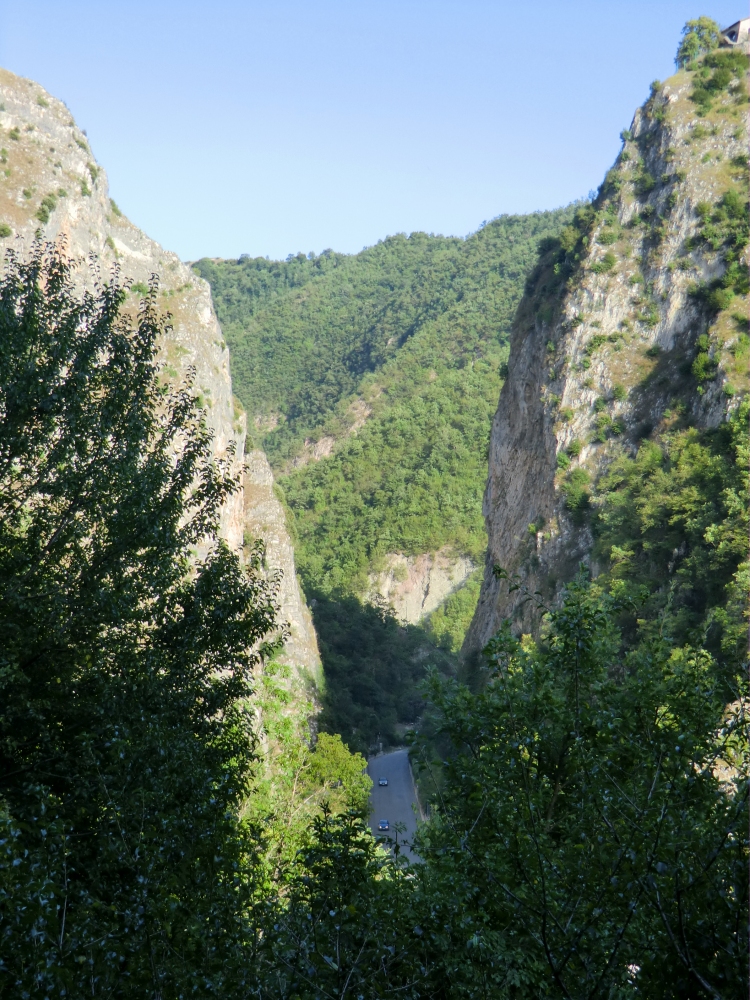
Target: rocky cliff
x=51, y=183
x=638, y=313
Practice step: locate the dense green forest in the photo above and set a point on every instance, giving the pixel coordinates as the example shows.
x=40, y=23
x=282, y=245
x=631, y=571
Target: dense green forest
x=415, y=330
x=589, y=838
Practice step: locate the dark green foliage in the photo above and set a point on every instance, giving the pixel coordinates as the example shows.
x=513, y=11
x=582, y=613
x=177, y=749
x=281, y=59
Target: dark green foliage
x=49, y=203
x=124, y=747
x=5, y=230
x=349, y=926
x=373, y=667
x=304, y=332
x=586, y=842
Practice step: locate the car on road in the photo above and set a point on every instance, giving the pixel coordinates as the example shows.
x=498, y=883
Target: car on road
x=382, y=782
x=384, y=825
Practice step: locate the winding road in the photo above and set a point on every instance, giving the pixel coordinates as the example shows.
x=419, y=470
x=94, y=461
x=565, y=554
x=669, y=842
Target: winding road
x=397, y=802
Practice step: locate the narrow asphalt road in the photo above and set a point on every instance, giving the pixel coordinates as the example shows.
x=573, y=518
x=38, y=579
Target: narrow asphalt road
x=396, y=802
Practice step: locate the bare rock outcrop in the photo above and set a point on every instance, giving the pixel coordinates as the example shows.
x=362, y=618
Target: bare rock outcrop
x=602, y=358
x=50, y=183
x=414, y=586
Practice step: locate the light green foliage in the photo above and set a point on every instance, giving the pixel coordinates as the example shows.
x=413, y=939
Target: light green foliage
x=575, y=489
x=294, y=778
x=5, y=230
x=716, y=73
x=138, y=288
x=700, y=36
x=724, y=229
x=450, y=622
x=332, y=765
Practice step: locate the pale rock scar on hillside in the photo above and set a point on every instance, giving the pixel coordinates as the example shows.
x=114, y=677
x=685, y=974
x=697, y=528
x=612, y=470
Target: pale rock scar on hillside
x=616, y=348
x=414, y=586
x=51, y=184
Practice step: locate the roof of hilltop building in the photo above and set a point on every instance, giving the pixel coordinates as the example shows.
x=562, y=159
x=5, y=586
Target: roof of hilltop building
x=737, y=33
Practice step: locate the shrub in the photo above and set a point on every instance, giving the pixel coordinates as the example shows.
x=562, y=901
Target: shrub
x=85, y=189
x=49, y=202
x=115, y=210
x=5, y=230
x=14, y=134
x=604, y=265
x=563, y=460
x=138, y=288
x=575, y=447
x=577, y=495
x=619, y=392
x=704, y=367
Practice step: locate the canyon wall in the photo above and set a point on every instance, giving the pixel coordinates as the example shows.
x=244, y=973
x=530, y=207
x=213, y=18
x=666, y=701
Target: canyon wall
x=606, y=341
x=51, y=184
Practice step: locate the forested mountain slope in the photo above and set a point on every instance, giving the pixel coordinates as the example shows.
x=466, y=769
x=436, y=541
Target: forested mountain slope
x=370, y=381
x=384, y=366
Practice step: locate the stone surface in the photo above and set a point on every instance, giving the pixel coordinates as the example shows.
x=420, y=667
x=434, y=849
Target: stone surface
x=45, y=153
x=265, y=518
x=414, y=586
x=555, y=378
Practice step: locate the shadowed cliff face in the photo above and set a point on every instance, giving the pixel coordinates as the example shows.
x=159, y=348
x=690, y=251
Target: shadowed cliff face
x=51, y=184
x=609, y=340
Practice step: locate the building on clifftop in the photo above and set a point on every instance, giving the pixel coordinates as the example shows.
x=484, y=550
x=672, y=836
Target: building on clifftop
x=737, y=34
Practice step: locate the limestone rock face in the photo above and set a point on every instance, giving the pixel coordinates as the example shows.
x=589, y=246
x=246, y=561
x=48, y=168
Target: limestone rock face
x=414, y=586
x=602, y=360
x=51, y=183
x=265, y=518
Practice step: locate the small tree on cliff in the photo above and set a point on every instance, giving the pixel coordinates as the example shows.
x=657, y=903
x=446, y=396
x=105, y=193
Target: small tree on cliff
x=124, y=746
x=699, y=37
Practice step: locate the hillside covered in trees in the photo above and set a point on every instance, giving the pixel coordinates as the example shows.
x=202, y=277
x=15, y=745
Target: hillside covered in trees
x=389, y=362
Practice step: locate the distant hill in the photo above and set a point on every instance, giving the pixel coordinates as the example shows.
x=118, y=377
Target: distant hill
x=370, y=381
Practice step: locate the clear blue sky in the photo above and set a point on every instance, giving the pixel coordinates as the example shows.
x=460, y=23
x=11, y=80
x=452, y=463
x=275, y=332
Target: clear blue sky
x=273, y=126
